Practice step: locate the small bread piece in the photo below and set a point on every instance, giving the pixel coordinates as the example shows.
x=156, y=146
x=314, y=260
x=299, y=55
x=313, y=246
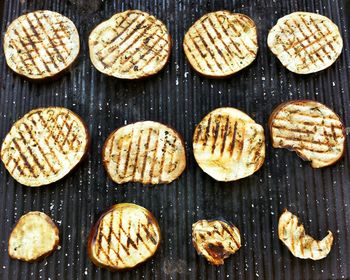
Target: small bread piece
x=228, y=145
x=215, y=240
x=125, y=236
x=310, y=129
x=44, y=146
x=130, y=45
x=221, y=43
x=146, y=152
x=41, y=44
x=301, y=245
x=305, y=42
x=34, y=237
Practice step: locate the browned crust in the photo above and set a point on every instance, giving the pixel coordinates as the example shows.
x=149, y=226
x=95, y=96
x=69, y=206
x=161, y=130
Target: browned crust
x=282, y=105
x=229, y=75
x=55, y=76
x=167, y=58
x=115, y=131
x=88, y=137
x=94, y=231
x=40, y=258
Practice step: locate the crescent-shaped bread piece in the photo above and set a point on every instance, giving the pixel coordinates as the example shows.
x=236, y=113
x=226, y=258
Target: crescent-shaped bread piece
x=305, y=42
x=228, y=145
x=301, y=245
x=130, y=45
x=221, y=43
x=124, y=236
x=44, y=146
x=41, y=44
x=309, y=128
x=147, y=152
x=216, y=240
x=34, y=237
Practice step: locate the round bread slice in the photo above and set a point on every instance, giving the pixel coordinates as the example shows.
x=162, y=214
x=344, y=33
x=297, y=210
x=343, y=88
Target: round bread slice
x=216, y=240
x=146, y=152
x=130, y=45
x=292, y=233
x=41, y=44
x=228, y=145
x=44, y=146
x=34, y=237
x=305, y=42
x=124, y=236
x=221, y=43
x=310, y=129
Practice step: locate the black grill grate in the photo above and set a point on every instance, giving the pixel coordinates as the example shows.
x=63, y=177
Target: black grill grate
x=179, y=97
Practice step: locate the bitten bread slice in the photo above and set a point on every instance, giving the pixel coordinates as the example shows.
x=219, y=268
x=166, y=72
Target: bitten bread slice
x=41, y=44
x=305, y=42
x=124, y=236
x=146, y=152
x=130, y=45
x=301, y=245
x=44, y=146
x=228, y=145
x=221, y=43
x=310, y=129
x=34, y=236
x=215, y=240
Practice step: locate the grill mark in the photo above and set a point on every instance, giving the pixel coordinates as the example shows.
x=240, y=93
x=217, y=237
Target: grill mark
x=128, y=153
x=139, y=237
x=55, y=31
x=330, y=45
x=58, y=127
x=228, y=35
x=223, y=42
x=257, y=151
x=118, y=35
x=306, y=123
x=304, y=141
x=149, y=235
x=233, y=142
x=110, y=248
x=110, y=232
x=29, y=54
x=241, y=144
x=111, y=145
x=118, y=154
x=119, y=231
x=192, y=55
x=198, y=133
x=73, y=141
x=146, y=154
x=16, y=166
x=324, y=36
x=241, y=25
x=215, y=133
x=67, y=135
x=208, y=50
x=162, y=162
x=111, y=49
x=238, y=34
x=224, y=227
x=207, y=130
x=224, y=134
x=137, y=155
x=126, y=249
x=152, y=58
x=154, y=155
x=39, y=147
x=200, y=52
x=130, y=241
x=304, y=131
x=38, y=36
x=215, y=45
x=25, y=160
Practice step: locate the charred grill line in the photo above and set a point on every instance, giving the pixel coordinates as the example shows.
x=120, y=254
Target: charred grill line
x=137, y=155
x=245, y=45
x=233, y=142
x=162, y=161
x=150, y=131
x=224, y=134
x=25, y=160
x=154, y=155
x=241, y=144
x=200, y=52
x=207, y=132
x=128, y=154
x=215, y=133
x=192, y=55
x=318, y=124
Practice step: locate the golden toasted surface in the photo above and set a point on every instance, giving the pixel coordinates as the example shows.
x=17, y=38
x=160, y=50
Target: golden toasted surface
x=228, y=145
x=125, y=236
x=215, y=240
x=221, y=43
x=146, y=152
x=130, y=45
x=44, y=146
x=34, y=236
x=301, y=245
x=305, y=42
x=310, y=129
x=41, y=44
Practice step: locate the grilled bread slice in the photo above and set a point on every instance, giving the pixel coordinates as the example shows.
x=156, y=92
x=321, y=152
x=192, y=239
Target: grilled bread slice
x=215, y=240
x=41, y=44
x=125, y=236
x=34, y=237
x=310, y=129
x=44, y=146
x=130, y=45
x=301, y=245
x=221, y=43
x=228, y=145
x=146, y=152
x=305, y=42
